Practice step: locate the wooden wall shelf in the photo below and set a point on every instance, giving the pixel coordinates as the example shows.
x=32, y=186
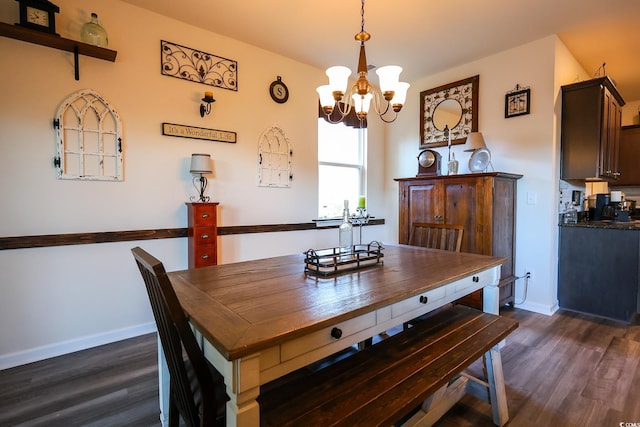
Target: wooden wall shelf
x=76, y=47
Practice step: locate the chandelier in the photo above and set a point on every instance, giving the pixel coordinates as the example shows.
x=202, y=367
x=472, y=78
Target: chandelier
x=362, y=92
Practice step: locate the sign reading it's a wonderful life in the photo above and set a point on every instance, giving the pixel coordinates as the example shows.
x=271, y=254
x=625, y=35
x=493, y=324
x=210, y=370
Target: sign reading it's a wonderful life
x=182, y=131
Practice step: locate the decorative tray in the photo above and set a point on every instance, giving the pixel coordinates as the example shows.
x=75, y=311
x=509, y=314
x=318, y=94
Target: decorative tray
x=327, y=262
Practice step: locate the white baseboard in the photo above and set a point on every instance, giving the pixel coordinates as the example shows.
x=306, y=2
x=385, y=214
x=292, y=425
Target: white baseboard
x=57, y=349
x=545, y=309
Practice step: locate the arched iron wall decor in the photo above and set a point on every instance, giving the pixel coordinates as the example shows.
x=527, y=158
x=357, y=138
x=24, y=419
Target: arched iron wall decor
x=463, y=92
x=89, y=142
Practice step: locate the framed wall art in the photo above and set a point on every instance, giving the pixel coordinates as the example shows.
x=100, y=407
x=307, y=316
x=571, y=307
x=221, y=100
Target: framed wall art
x=453, y=106
x=517, y=102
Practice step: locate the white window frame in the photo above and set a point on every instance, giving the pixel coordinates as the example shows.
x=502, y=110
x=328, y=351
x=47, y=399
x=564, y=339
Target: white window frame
x=360, y=167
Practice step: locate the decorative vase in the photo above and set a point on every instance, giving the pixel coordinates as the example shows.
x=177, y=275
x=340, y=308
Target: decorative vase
x=94, y=33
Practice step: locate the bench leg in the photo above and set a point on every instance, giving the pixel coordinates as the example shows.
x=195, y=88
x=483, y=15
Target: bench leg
x=497, y=393
x=438, y=404
x=491, y=391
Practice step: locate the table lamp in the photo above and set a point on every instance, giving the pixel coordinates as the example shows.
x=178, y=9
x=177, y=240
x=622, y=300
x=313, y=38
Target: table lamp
x=200, y=165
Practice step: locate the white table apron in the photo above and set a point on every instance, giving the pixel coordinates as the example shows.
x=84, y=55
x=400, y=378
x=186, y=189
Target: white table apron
x=244, y=376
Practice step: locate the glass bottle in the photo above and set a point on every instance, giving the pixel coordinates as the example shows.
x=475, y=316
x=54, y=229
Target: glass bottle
x=346, y=231
x=453, y=165
x=94, y=33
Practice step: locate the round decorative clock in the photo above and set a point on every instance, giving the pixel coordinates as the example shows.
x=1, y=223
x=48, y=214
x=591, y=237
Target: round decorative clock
x=279, y=91
x=429, y=163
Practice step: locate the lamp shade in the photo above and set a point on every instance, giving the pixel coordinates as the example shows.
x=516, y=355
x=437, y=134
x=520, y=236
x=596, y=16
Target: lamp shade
x=401, y=93
x=338, y=78
x=326, y=95
x=475, y=140
x=388, y=77
x=200, y=163
x=361, y=102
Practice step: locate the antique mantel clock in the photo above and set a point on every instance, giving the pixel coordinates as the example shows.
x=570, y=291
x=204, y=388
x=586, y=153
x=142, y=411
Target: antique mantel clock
x=429, y=162
x=38, y=15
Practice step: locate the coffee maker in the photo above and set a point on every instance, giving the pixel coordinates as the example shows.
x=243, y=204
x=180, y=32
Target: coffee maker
x=598, y=213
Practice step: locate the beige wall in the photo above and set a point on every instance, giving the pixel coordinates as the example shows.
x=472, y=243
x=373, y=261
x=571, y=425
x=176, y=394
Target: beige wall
x=60, y=299
x=524, y=145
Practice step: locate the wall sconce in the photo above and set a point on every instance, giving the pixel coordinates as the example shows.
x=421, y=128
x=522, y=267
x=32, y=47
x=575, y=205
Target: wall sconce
x=208, y=99
x=200, y=164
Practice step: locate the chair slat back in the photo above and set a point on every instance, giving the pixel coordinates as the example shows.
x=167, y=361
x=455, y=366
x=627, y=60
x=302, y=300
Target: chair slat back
x=436, y=236
x=177, y=341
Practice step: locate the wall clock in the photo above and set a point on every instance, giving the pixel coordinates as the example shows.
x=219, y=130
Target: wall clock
x=429, y=163
x=279, y=91
x=38, y=15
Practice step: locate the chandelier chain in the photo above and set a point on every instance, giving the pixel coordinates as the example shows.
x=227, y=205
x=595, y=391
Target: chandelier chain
x=362, y=16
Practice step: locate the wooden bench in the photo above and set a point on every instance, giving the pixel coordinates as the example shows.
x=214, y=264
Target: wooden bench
x=382, y=383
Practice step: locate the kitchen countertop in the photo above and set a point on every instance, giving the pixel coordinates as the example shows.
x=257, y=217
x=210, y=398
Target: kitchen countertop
x=617, y=225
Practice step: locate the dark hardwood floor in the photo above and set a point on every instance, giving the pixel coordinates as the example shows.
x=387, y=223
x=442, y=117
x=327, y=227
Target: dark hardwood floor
x=566, y=370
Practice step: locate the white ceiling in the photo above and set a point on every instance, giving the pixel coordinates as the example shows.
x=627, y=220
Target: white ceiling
x=425, y=37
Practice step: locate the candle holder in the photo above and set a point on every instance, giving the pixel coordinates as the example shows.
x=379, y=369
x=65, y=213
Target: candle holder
x=360, y=218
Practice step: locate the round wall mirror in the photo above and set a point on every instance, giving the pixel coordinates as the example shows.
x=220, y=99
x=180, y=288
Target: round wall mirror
x=447, y=113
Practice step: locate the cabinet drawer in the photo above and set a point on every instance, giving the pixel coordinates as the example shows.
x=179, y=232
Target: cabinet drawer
x=417, y=301
x=204, y=236
x=205, y=255
x=302, y=345
x=204, y=216
x=483, y=278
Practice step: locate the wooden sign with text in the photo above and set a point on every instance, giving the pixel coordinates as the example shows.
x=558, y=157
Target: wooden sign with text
x=182, y=131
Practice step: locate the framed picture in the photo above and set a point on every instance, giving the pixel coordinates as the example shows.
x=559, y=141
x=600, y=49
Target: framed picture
x=517, y=103
x=453, y=106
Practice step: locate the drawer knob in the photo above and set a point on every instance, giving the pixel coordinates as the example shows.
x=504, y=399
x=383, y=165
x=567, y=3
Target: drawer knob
x=204, y=256
x=204, y=236
x=336, y=333
x=424, y=299
x=476, y=279
x=205, y=215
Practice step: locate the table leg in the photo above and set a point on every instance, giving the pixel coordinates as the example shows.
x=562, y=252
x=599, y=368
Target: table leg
x=243, y=388
x=491, y=295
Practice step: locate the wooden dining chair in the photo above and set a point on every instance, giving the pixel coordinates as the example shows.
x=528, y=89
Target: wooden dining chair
x=436, y=236
x=196, y=389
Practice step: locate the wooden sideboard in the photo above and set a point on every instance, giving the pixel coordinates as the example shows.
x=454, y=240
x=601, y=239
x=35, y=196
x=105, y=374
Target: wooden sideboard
x=483, y=203
x=202, y=234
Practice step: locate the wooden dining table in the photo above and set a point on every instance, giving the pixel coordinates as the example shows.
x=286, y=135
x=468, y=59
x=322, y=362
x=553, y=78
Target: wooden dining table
x=259, y=320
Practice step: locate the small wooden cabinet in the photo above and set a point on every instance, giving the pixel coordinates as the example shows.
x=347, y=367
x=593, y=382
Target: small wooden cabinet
x=484, y=204
x=591, y=124
x=629, y=155
x=202, y=234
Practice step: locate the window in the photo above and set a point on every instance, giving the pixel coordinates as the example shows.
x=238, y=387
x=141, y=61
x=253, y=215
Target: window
x=341, y=167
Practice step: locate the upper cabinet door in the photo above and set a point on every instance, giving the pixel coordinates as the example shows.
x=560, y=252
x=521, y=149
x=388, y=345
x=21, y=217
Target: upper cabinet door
x=591, y=122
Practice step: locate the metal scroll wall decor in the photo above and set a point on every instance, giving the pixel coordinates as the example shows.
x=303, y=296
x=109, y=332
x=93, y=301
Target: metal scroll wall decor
x=274, y=159
x=197, y=66
x=88, y=138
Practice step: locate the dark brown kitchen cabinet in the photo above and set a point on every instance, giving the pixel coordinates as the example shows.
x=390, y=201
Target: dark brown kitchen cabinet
x=591, y=124
x=598, y=271
x=629, y=156
x=484, y=204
